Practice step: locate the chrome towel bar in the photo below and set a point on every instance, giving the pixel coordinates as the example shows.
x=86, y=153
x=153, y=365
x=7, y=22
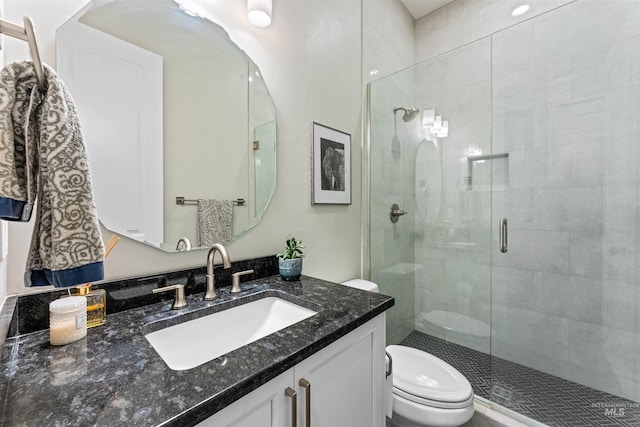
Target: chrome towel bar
x=182, y=201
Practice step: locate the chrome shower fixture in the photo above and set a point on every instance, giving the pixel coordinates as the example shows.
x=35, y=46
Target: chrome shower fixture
x=409, y=113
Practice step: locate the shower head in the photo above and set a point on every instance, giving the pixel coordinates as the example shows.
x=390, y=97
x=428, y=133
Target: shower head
x=409, y=113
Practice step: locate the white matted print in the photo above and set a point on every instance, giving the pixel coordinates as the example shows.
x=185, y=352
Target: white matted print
x=330, y=166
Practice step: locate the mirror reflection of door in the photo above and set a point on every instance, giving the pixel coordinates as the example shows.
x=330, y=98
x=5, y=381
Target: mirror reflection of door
x=189, y=135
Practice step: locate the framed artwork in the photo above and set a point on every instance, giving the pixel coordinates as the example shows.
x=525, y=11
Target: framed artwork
x=330, y=166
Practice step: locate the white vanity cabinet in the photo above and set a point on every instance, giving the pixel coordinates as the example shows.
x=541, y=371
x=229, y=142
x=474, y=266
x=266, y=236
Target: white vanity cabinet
x=339, y=386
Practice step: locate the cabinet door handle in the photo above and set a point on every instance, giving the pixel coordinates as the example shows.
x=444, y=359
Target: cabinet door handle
x=307, y=391
x=289, y=392
x=503, y=235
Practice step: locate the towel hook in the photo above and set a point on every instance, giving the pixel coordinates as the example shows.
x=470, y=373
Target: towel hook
x=28, y=34
x=35, y=54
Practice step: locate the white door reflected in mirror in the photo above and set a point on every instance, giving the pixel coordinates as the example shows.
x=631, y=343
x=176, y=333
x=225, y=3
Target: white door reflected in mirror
x=169, y=106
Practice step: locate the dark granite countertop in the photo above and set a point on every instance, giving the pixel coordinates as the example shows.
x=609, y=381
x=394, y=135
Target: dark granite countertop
x=113, y=377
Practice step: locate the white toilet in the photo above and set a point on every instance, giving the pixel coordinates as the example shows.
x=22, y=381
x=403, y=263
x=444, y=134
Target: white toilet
x=427, y=392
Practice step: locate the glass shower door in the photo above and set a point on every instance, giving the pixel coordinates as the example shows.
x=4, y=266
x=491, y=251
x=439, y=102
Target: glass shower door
x=435, y=260
x=565, y=296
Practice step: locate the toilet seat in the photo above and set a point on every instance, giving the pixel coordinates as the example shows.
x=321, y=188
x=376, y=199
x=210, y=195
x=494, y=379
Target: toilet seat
x=427, y=380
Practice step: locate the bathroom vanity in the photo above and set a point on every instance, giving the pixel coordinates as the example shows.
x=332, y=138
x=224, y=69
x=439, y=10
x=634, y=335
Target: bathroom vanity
x=328, y=368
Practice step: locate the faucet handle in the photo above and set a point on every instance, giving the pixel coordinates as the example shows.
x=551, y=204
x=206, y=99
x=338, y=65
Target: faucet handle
x=179, y=301
x=235, y=280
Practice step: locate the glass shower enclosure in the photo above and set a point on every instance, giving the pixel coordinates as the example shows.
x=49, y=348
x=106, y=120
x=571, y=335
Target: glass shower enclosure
x=517, y=260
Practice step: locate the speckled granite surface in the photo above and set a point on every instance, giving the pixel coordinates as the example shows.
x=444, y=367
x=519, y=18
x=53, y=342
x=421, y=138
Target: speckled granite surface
x=113, y=377
x=32, y=311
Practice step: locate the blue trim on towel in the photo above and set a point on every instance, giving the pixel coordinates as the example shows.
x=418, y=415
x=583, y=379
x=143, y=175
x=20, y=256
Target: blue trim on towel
x=14, y=210
x=69, y=277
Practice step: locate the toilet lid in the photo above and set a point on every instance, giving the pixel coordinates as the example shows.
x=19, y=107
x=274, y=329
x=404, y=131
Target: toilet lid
x=423, y=378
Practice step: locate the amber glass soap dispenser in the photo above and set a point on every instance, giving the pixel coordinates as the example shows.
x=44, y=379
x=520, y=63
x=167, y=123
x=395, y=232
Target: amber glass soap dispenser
x=96, y=304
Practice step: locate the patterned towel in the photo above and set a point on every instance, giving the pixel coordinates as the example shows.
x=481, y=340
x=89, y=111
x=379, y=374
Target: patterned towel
x=18, y=171
x=214, y=221
x=41, y=147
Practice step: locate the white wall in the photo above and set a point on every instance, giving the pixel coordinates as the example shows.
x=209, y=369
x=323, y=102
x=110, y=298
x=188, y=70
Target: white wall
x=310, y=59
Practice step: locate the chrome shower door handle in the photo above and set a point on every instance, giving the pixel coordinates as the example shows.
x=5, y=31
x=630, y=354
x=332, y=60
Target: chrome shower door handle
x=503, y=235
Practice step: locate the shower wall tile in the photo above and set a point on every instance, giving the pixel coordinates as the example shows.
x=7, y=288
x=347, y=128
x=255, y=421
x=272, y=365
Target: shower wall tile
x=432, y=276
x=546, y=251
x=514, y=52
x=514, y=129
x=586, y=164
x=620, y=256
x=511, y=286
x=463, y=21
x=637, y=367
x=517, y=91
x=541, y=167
x=620, y=207
x=620, y=160
x=527, y=337
x=609, y=352
x=547, y=294
x=586, y=254
x=621, y=306
x=398, y=279
x=571, y=209
x=570, y=297
x=434, y=299
x=516, y=205
x=468, y=281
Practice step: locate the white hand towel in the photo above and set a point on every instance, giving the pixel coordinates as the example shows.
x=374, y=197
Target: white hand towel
x=215, y=221
x=388, y=389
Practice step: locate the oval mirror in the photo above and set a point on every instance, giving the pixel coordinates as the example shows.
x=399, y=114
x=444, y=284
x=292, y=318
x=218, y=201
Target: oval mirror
x=178, y=122
x=428, y=189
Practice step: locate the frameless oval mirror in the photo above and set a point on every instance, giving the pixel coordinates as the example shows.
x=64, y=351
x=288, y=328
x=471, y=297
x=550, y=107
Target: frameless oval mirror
x=428, y=189
x=178, y=122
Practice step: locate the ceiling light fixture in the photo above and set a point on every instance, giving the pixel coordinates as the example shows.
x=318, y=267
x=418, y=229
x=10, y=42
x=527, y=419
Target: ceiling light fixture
x=520, y=10
x=259, y=12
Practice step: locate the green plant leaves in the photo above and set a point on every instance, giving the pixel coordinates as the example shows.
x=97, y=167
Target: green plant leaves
x=292, y=250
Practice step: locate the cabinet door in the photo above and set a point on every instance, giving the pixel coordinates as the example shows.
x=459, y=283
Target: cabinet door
x=345, y=381
x=266, y=406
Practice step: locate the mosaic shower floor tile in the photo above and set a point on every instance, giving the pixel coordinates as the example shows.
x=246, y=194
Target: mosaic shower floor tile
x=545, y=398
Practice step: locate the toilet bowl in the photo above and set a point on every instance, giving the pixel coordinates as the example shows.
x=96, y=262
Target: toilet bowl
x=427, y=391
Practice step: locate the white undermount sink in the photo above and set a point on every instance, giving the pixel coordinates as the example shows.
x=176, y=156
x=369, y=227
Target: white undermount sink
x=192, y=343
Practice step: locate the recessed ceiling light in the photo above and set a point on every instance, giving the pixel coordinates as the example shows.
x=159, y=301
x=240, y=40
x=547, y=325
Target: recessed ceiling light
x=520, y=10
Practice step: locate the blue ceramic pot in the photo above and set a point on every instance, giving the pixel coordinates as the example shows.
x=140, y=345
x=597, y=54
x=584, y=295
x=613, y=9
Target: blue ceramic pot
x=290, y=269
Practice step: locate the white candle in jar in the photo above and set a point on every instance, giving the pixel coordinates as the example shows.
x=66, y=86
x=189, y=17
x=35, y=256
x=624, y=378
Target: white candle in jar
x=67, y=320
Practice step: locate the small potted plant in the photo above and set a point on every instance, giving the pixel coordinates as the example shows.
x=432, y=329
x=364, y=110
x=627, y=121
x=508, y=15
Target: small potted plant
x=290, y=260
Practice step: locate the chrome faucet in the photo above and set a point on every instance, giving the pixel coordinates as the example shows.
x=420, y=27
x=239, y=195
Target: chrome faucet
x=211, y=280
